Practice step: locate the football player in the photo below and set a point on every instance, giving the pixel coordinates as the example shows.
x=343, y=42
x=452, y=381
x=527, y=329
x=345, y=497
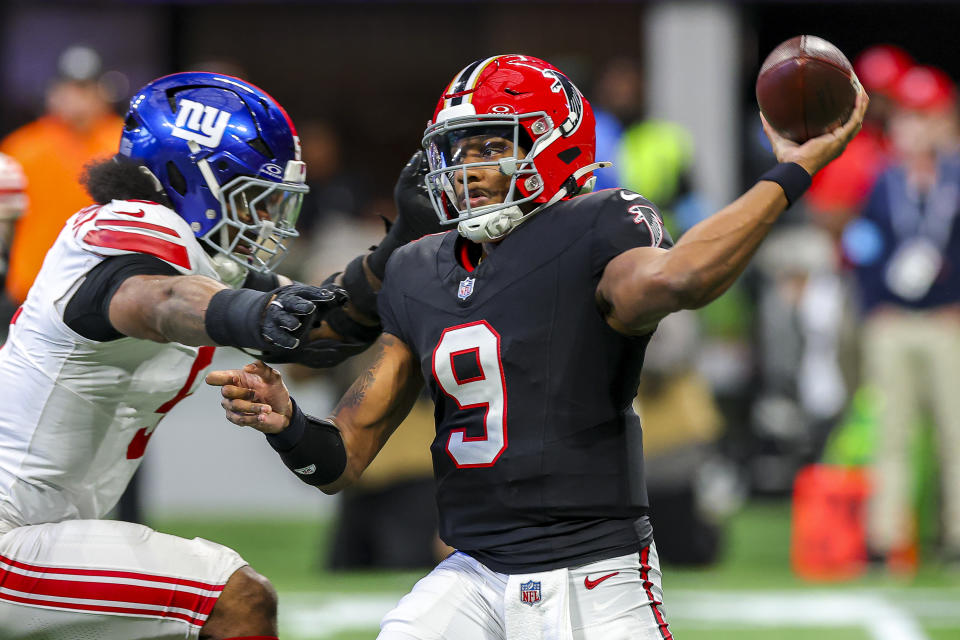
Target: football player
x=121, y=321
x=528, y=326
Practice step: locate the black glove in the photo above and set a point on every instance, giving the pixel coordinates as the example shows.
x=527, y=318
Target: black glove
x=296, y=310
x=276, y=319
x=319, y=354
x=415, y=214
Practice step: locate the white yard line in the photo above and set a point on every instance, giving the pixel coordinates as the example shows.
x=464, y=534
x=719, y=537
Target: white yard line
x=879, y=616
x=885, y=616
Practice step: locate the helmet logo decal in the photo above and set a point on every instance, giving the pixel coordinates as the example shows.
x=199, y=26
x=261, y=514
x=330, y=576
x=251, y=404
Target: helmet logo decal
x=201, y=123
x=561, y=83
x=272, y=170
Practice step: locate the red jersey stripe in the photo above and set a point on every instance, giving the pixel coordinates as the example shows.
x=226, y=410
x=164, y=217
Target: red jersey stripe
x=139, y=225
x=201, y=362
x=109, y=573
x=129, y=594
x=85, y=216
x=100, y=608
x=139, y=243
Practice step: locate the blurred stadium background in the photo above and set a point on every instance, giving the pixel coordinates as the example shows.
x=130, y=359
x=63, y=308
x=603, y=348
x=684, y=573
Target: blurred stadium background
x=738, y=401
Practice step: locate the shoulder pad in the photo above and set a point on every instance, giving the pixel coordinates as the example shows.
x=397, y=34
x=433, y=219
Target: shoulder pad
x=423, y=247
x=125, y=227
x=623, y=205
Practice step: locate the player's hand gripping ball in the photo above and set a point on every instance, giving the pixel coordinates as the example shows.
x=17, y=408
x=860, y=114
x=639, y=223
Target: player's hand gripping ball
x=806, y=88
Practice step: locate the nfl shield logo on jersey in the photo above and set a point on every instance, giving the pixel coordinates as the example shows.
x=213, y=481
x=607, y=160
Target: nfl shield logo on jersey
x=466, y=288
x=530, y=592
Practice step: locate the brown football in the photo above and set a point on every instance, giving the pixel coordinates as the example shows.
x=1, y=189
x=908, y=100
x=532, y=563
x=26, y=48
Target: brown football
x=806, y=87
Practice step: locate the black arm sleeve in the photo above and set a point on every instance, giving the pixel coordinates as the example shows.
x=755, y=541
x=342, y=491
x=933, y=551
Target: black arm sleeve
x=88, y=312
x=310, y=447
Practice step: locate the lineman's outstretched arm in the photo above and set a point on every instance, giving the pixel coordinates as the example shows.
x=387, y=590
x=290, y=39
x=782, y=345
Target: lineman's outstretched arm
x=329, y=454
x=641, y=286
x=195, y=310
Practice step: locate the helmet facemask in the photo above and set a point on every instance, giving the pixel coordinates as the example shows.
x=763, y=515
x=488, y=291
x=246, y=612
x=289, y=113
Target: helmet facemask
x=258, y=217
x=457, y=148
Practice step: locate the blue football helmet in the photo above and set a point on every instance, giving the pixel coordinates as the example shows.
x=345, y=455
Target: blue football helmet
x=228, y=157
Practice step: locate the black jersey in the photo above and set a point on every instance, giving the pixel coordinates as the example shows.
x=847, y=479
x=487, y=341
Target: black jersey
x=538, y=454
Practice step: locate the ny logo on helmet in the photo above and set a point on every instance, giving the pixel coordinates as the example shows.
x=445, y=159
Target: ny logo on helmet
x=201, y=123
x=574, y=99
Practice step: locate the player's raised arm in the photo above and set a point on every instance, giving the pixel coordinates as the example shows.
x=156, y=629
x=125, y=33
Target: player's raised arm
x=641, y=286
x=327, y=453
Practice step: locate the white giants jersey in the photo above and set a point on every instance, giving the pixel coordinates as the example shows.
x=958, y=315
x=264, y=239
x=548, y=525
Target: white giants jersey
x=79, y=413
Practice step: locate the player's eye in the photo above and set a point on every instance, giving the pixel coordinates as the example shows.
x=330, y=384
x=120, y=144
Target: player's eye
x=495, y=149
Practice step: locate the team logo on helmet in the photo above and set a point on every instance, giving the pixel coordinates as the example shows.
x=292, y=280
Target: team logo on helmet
x=201, y=123
x=561, y=83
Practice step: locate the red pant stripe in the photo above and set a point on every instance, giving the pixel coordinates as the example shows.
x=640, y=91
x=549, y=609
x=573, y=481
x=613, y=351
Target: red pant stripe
x=654, y=603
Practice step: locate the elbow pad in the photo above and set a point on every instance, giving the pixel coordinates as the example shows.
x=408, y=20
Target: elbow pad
x=310, y=447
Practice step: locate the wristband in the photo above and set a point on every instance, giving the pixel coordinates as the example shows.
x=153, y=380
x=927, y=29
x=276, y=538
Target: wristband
x=792, y=178
x=289, y=437
x=233, y=318
x=313, y=449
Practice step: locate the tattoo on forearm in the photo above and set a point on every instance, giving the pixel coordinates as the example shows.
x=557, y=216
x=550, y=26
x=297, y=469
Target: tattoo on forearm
x=358, y=390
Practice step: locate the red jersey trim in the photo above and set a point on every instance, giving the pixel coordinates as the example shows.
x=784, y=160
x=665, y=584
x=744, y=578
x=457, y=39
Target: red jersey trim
x=138, y=243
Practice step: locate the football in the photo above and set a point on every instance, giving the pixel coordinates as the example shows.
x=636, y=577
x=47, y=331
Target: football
x=806, y=87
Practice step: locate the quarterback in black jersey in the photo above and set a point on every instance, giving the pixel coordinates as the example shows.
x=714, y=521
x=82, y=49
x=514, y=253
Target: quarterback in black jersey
x=528, y=326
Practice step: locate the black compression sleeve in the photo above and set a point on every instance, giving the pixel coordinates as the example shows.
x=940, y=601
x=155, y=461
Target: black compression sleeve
x=88, y=312
x=310, y=447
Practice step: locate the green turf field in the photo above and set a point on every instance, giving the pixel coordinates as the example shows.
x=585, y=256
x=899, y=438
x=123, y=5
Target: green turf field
x=750, y=595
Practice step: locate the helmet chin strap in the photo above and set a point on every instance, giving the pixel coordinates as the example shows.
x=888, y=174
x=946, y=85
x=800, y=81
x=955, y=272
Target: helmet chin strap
x=497, y=224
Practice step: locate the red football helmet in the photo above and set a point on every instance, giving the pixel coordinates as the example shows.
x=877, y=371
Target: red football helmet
x=520, y=99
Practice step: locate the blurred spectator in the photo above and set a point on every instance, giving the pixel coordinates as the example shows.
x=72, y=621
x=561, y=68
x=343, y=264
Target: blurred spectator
x=78, y=126
x=906, y=250
x=336, y=203
x=13, y=201
x=807, y=337
x=652, y=157
x=839, y=191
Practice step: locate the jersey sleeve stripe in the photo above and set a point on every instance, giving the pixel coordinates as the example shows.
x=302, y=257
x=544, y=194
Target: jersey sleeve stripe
x=139, y=225
x=173, y=253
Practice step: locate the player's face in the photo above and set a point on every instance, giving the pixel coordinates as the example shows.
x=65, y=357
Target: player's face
x=486, y=184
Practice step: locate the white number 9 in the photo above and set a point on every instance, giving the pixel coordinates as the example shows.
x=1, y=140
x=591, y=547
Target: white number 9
x=486, y=388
